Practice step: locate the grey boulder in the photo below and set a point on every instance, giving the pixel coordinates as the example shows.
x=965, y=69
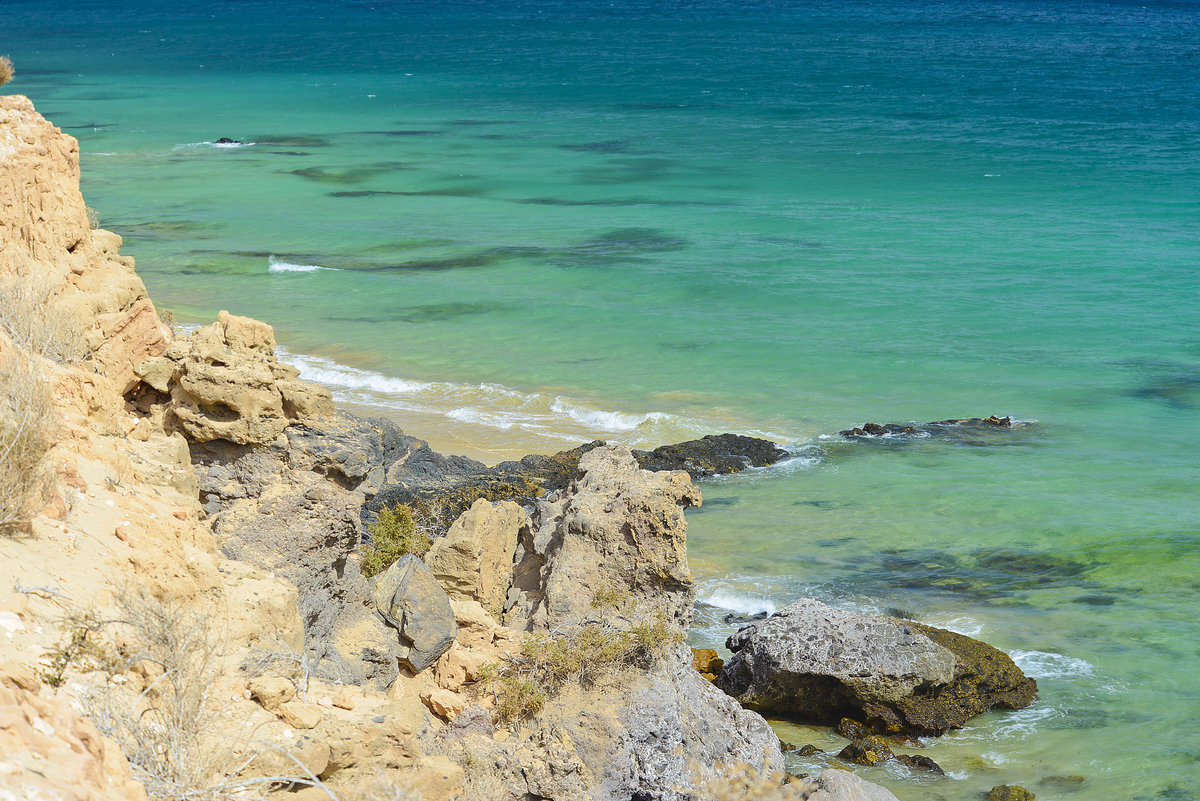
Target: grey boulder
x=413, y=603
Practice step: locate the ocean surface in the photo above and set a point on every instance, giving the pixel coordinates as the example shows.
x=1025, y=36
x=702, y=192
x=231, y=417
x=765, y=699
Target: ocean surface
x=516, y=226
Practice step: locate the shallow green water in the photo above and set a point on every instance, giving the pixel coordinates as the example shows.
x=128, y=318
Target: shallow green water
x=540, y=223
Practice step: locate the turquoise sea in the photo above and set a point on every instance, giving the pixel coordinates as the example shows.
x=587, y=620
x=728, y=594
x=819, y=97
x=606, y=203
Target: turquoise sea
x=515, y=226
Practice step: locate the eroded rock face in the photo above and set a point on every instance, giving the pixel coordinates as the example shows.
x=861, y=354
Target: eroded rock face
x=817, y=663
x=615, y=527
x=225, y=384
x=49, y=247
x=638, y=734
x=415, y=605
x=474, y=561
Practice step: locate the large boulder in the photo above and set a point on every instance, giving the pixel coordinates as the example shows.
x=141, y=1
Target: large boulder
x=415, y=605
x=817, y=663
x=474, y=561
x=224, y=383
x=614, y=528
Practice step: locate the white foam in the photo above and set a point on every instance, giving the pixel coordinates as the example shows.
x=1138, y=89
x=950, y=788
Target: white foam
x=737, y=602
x=216, y=145
x=1043, y=665
x=602, y=420
x=277, y=266
x=339, y=376
x=961, y=625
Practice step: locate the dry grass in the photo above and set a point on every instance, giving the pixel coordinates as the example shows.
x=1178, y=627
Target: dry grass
x=743, y=782
x=580, y=653
x=25, y=437
x=177, y=743
x=6, y=70
x=32, y=318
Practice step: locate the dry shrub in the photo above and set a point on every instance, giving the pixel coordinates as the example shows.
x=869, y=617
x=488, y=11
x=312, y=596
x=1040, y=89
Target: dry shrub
x=33, y=319
x=383, y=788
x=580, y=653
x=6, y=70
x=178, y=745
x=25, y=437
x=743, y=782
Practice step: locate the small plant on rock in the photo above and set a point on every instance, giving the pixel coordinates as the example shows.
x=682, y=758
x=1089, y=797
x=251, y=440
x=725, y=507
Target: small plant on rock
x=6, y=70
x=393, y=534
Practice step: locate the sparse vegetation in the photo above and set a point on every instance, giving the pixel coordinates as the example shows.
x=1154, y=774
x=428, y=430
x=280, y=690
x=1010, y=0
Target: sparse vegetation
x=32, y=318
x=393, y=534
x=82, y=649
x=579, y=653
x=744, y=782
x=25, y=438
x=6, y=70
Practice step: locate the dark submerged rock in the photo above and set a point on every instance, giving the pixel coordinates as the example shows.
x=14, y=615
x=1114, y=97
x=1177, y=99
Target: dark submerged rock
x=809, y=750
x=1009, y=792
x=960, y=428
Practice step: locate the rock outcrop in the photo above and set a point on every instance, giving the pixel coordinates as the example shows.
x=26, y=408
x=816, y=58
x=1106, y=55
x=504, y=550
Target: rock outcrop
x=615, y=527
x=415, y=605
x=474, y=561
x=816, y=663
x=967, y=430
x=50, y=250
x=225, y=383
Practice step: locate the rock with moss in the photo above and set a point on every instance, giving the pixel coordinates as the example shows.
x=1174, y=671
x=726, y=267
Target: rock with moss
x=811, y=662
x=1009, y=792
x=715, y=454
x=870, y=750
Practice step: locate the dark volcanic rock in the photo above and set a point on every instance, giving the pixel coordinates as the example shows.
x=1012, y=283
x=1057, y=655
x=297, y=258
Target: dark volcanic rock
x=812, y=662
x=921, y=762
x=715, y=454
x=958, y=429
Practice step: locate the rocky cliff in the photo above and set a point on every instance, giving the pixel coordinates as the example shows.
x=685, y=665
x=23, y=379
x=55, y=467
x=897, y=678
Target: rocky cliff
x=185, y=615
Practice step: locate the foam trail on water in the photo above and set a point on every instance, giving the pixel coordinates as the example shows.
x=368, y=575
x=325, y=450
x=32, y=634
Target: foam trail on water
x=275, y=265
x=738, y=602
x=1043, y=665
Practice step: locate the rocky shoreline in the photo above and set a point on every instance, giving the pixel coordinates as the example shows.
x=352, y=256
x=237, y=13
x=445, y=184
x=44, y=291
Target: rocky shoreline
x=534, y=652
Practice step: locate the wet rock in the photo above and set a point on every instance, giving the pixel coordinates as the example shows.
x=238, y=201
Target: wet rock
x=809, y=750
x=920, y=762
x=707, y=663
x=715, y=454
x=415, y=605
x=225, y=140
x=1009, y=792
x=851, y=729
x=963, y=429
x=867, y=751
x=816, y=663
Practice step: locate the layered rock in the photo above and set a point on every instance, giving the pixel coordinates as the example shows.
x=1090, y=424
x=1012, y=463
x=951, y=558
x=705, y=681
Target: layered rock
x=812, y=662
x=50, y=249
x=225, y=383
x=614, y=527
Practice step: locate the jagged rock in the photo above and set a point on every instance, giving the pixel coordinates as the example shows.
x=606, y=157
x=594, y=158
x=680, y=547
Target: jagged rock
x=851, y=729
x=868, y=751
x=715, y=454
x=920, y=761
x=225, y=384
x=635, y=734
x=817, y=663
x=809, y=750
x=615, y=526
x=1009, y=792
x=415, y=605
x=474, y=561
x=965, y=430
x=49, y=247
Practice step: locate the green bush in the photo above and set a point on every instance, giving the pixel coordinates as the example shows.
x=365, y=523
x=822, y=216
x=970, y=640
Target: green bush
x=393, y=534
